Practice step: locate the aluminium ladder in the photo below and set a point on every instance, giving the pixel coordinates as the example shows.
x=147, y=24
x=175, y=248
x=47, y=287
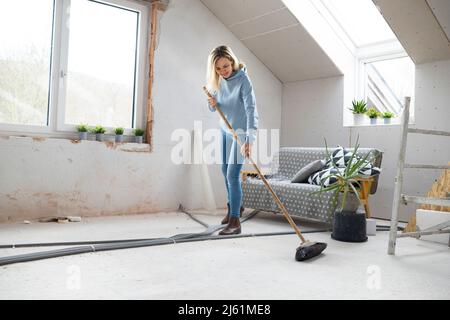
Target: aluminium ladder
x=399, y=197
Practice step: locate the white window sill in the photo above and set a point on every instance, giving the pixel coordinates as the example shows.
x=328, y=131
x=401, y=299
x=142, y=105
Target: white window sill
x=379, y=122
x=128, y=146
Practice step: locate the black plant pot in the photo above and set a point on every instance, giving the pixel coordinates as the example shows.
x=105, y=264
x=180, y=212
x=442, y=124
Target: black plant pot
x=349, y=226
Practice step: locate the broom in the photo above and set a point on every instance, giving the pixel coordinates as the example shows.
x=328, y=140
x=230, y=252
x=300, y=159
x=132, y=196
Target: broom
x=307, y=249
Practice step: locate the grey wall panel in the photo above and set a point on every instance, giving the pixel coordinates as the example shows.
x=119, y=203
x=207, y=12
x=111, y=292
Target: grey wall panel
x=292, y=55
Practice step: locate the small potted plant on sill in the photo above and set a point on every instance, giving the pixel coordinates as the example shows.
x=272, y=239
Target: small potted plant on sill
x=119, y=134
x=99, y=132
x=82, y=131
x=358, y=110
x=387, y=116
x=349, y=223
x=373, y=115
x=138, y=133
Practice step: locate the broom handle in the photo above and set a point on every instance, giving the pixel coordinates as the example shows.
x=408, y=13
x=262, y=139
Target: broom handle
x=277, y=200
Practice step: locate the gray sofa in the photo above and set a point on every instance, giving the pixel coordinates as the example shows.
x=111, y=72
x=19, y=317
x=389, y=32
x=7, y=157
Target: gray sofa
x=296, y=197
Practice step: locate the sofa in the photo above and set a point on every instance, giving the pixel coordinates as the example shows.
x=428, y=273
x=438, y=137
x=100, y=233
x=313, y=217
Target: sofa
x=297, y=197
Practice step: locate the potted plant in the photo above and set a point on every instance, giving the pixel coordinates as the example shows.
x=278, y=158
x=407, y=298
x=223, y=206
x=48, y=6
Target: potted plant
x=82, y=131
x=358, y=110
x=139, y=133
x=119, y=134
x=349, y=223
x=99, y=132
x=387, y=116
x=373, y=115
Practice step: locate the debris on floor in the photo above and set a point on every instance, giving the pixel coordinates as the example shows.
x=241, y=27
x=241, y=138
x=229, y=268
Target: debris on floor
x=61, y=219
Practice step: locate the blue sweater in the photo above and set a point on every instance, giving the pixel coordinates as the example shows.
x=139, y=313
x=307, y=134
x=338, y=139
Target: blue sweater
x=237, y=101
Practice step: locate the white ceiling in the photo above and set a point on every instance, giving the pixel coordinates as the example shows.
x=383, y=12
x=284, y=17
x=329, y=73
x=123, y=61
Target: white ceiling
x=275, y=37
x=417, y=28
x=441, y=10
x=279, y=40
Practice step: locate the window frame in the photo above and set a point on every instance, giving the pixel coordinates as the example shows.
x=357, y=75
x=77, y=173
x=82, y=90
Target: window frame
x=377, y=53
x=59, y=57
x=384, y=50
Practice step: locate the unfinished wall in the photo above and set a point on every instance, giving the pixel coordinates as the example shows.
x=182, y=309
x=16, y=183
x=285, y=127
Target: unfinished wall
x=311, y=111
x=48, y=177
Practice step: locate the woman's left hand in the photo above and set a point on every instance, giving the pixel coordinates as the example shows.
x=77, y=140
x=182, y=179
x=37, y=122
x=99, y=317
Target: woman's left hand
x=246, y=149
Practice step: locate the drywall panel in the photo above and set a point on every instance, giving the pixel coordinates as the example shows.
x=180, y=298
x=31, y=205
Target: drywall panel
x=235, y=11
x=276, y=20
x=278, y=39
x=441, y=10
x=417, y=29
x=292, y=54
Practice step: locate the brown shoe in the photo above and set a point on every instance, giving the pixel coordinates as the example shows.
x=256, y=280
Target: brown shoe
x=227, y=217
x=233, y=227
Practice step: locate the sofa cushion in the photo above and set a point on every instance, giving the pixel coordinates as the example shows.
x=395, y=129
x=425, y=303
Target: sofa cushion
x=326, y=175
x=369, y=170
x=340, y=157
x=303, y=174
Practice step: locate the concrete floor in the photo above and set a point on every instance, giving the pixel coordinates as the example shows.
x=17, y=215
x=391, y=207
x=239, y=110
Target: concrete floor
x=247, y=268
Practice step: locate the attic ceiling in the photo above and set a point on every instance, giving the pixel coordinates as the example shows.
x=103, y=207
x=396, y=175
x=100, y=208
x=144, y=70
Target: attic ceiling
x=421, y=26
x=441, y=11
x=273, y=34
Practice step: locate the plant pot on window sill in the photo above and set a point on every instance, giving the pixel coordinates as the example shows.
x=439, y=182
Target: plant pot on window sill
x=99, y=136
x=138, y=139
x=373, y=120
x=387, y=120
x=119, y=138
x=82, y=135
x=358, y=118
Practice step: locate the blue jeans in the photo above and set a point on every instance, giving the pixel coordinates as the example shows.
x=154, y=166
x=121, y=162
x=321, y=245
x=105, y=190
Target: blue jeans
x=232, y=162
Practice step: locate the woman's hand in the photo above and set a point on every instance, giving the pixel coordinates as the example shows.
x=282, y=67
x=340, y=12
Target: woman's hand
x=246, y=149
x=212, y=102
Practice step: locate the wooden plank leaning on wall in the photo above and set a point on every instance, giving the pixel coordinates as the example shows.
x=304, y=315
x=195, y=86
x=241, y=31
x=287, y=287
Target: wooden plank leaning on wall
x=155, y=7
x=439, y=189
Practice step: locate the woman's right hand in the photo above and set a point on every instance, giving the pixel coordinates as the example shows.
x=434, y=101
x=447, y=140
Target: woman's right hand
x=212, y=102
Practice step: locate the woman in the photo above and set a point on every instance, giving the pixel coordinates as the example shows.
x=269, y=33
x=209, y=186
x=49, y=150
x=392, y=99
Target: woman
x=232, y=91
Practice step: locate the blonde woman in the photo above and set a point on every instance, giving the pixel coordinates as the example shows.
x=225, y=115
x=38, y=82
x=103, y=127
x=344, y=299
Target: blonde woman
x=232, y=91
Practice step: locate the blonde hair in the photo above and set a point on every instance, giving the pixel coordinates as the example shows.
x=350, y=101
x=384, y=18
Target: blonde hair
x=212, y=77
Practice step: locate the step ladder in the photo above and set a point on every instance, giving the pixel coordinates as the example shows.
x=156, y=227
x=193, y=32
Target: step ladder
x=404, y=199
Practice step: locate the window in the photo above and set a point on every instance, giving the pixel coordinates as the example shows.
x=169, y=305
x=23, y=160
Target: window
x=361, y=21
x=25, y=56
x=388, y=82
x=384, y=72
x=66, y=62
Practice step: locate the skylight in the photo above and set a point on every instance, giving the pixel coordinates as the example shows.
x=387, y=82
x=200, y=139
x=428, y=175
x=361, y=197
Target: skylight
x=360, y=20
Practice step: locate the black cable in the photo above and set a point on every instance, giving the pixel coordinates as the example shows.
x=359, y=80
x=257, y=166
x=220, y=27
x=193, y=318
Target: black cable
x=208, y=231
x=103, y=245
x=128, y=245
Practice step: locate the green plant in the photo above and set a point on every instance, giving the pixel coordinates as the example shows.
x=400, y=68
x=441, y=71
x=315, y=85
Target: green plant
x=387, y=114
x=359, y=107
x=119, y=131
x=82, y=128
x=139, y=132
x=99, y=129
x=372, y=113
x=346, y=178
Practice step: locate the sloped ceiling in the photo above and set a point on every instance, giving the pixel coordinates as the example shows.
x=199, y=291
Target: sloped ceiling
x=273, y=34
x=421, y=26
